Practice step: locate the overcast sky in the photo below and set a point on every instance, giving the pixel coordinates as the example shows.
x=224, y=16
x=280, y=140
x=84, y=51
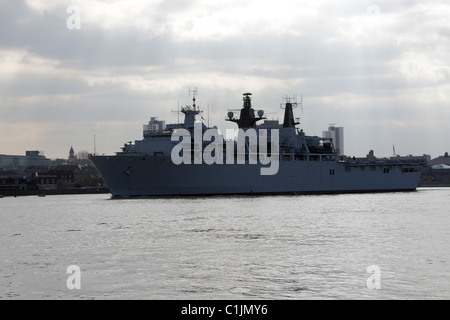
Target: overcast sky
x=380, y=69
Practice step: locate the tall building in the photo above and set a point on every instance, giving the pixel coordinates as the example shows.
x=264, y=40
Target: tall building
x=337, y=134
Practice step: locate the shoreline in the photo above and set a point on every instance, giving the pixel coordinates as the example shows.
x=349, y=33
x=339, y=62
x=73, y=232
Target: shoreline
x=19, y=193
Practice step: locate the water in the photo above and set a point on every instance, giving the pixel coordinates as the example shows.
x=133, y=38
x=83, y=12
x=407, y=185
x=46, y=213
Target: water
x=272, y=247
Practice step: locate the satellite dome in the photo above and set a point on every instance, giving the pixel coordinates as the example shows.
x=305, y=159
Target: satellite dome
x=230, y=115
x=260, y=113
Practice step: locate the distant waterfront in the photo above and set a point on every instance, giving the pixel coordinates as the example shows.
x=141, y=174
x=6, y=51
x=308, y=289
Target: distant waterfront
x=79, y=176
x=34, y=174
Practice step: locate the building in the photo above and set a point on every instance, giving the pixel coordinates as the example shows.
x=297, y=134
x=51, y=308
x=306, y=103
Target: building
x=30, y=159
x=46, y=181
x=437, y=173
x=13, y=180
x=33, y=172
x=445, y=160
x=337, y=136
x=154, y=126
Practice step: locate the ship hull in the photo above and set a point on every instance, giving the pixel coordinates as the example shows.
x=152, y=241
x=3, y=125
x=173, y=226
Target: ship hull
x=133, y=175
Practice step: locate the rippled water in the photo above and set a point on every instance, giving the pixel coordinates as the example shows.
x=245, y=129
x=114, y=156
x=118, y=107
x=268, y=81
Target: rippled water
x=271, y=247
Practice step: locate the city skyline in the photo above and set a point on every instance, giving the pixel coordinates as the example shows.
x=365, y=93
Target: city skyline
x=75, y=70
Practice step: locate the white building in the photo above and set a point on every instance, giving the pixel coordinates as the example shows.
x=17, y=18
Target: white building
x=337, y=134
x=154, y=126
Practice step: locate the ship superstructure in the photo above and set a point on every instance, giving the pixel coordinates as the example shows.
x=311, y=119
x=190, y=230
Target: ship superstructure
x=307, y=164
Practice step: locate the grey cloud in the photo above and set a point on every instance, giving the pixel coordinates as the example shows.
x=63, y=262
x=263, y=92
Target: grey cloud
x=314, y=60
x=28, y=84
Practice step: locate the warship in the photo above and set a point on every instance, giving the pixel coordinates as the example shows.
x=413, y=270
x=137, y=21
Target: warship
x=301, y=164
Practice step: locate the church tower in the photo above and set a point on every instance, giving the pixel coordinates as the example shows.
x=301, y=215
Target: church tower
x=72, y=154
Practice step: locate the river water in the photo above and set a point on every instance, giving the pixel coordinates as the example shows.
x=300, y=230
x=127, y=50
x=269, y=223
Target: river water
x=350, y=246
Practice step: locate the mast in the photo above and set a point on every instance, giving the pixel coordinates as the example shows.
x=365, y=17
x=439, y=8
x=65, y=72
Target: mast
x=194, y=93
x=247, y=117
x=191, y=112
x=290, y=104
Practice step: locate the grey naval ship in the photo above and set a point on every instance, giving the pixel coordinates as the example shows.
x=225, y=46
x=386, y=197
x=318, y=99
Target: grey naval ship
x=307, y=164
